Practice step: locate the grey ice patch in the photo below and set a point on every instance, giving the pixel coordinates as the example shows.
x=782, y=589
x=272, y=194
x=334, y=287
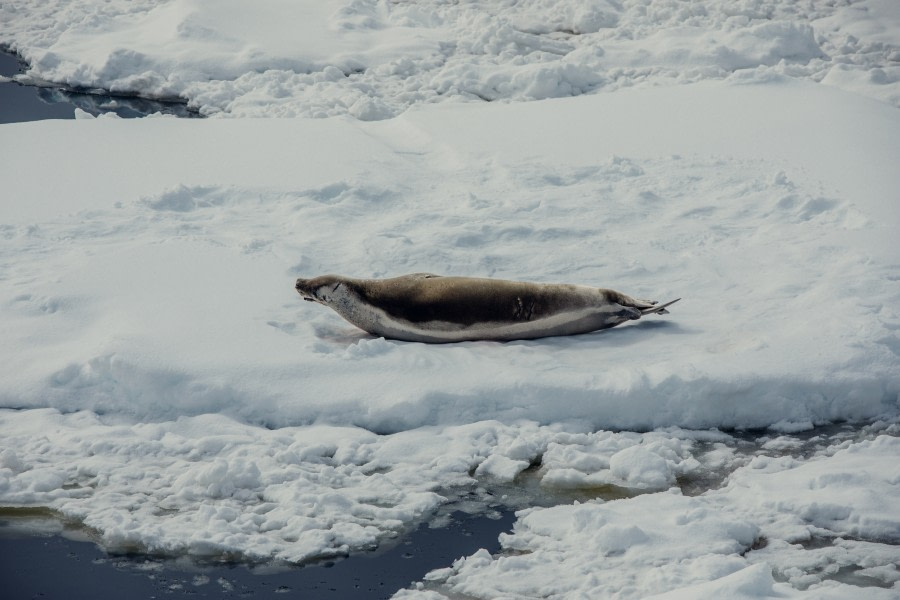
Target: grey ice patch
x=182, y=198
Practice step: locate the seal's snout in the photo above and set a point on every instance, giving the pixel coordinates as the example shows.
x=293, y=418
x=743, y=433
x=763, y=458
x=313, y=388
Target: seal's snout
x=301, y=287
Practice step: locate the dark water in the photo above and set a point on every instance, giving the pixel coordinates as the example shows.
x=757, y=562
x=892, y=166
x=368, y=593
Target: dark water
x=20, y=103
x=54, y=567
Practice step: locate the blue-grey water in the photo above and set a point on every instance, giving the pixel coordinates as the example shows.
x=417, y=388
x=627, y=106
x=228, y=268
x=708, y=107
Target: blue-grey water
x=50, y=567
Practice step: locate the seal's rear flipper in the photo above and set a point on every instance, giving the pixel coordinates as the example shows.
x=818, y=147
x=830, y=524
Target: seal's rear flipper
x=659, y=309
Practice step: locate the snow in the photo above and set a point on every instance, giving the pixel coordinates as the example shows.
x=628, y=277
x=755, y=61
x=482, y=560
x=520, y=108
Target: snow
x=98, y=296
x=374, y=59
x=163, y=383
x=726, y=543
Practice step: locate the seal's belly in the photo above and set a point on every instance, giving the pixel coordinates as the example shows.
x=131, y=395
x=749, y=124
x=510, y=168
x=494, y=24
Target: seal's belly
x=570, y=322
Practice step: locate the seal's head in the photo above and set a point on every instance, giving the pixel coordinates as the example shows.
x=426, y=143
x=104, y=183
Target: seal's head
x=319, y=289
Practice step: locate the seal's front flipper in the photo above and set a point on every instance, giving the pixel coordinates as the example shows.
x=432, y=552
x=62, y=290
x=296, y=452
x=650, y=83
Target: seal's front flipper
x=659, y=309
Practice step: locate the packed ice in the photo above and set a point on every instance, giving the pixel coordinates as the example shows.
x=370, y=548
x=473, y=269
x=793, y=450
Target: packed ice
x=162, y=383
x=373, y=59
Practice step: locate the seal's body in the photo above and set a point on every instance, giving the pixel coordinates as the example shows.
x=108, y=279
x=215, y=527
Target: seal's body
x=430, y=308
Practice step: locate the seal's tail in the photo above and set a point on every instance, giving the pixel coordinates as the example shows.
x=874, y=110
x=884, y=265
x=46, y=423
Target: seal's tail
x=659, y=309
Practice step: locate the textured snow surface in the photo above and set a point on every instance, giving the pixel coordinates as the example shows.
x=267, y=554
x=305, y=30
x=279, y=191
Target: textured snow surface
x=373, y=59
x=162, y=382
x=155, y=279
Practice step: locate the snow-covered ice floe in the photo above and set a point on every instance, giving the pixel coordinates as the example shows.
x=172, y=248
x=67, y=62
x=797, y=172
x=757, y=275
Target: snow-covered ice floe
x=799, y=522
x=161, y=381
x=373, y=59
